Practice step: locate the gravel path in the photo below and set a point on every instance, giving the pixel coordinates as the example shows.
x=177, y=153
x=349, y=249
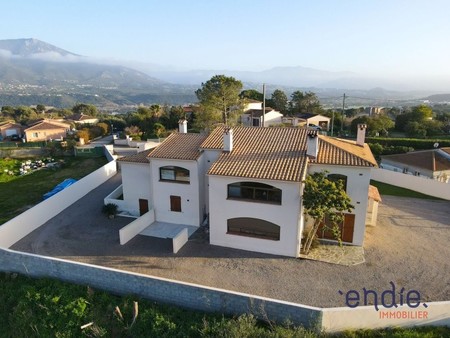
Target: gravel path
x=408, y=247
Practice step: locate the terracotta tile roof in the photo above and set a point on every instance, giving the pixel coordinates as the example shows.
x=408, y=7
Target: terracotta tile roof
x=9, y=125
x=46, y=125
x=141, y=157
x=80, y=117
x=427, y=159
x=374, y=194
x=180, y=147
x=337, y=151
x=263, y=153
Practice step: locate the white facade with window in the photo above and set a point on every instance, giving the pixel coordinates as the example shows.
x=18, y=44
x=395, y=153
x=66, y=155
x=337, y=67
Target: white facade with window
x=286, y=215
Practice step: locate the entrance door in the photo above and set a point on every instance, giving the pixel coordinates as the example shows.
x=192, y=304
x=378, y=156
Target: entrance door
x=143, y=206
x=346, y=228
x=175, y=203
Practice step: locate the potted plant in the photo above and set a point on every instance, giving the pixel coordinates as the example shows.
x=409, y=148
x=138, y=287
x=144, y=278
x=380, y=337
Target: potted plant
x=110, y=210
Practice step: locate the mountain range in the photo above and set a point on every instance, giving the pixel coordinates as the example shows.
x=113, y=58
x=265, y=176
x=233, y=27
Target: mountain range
x=33, y=71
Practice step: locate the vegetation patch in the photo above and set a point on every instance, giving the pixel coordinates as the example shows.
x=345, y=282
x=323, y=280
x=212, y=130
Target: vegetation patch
x=388, y=189
x=18, y=193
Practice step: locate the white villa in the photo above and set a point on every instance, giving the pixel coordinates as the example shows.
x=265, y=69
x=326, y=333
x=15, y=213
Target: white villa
x=253, y=115
x=247, y=182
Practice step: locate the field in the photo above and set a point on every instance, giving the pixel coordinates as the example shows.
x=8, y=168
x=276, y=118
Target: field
x=18, y=193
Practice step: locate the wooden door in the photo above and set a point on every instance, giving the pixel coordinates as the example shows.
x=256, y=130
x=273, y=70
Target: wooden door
x=347, y=229
x=143, y=206
x=175, y=203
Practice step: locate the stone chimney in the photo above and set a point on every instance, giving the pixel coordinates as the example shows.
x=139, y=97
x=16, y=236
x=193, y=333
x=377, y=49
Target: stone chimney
x=227, y=139
x=312, y=143
x=182, y=126
x=361, y=134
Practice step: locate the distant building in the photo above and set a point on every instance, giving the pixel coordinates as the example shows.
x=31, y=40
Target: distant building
x=45, y=130
x=308, y=119
x=82, y=119
x=8, y=129
x=434, y=163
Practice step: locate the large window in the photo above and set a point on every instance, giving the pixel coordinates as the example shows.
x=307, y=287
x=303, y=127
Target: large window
x=339, y=177
x=253, y=227
x=174, y=174
x=252, y=191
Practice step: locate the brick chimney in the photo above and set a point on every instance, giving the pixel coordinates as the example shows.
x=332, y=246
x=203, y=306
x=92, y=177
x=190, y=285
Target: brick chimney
x=227, y=139
x=312, y=143
x=182, y=126
x=361, y=134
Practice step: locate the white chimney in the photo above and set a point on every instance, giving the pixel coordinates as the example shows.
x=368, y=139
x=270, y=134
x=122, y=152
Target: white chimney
x=182, y=126
x=227, y=139
x=312, y=143
x=361, y=134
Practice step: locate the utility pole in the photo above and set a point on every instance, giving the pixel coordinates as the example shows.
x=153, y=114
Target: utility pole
x=343, y=115
x=332, y=124
x=264, y=104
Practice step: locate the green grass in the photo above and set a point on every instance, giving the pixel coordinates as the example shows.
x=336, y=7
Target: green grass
x=18, y=193
x=51, y=308
x=388, y=189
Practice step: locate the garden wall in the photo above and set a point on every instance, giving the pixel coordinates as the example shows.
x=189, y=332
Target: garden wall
x=20, y=226
x=416, y=183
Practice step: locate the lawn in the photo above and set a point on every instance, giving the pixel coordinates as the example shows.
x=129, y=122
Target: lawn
x=387, y=189
x=18, y=193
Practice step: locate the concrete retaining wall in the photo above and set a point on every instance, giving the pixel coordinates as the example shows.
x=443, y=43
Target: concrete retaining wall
x=180, y=240
x=159, y=289
x=129, y=231
x=20, y=226
x=416, y=183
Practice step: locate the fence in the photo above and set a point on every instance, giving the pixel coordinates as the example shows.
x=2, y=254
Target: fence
x=209, y=299
x=416, y=183
x=133, y=229
x=22, y=225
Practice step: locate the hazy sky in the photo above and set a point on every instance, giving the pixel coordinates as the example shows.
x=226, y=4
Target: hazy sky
x=395, y=37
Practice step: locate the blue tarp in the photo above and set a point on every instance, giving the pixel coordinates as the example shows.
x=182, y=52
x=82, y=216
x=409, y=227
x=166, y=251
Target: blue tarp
x=64, y=184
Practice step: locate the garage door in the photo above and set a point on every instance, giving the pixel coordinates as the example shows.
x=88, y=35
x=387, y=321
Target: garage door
x=10, y=132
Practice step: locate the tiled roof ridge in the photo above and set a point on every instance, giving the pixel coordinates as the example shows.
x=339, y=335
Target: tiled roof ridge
x=324, y=139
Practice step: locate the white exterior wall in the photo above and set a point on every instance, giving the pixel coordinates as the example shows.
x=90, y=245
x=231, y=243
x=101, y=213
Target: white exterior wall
x=317, y=119
x=358, y=180
x=136, y=184
x=287, y=216
x=208, y=158
x=253, y=105
x=272, y=118
x=191, y=211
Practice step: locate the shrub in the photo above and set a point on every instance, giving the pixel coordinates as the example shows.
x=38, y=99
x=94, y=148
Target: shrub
x=110, y=209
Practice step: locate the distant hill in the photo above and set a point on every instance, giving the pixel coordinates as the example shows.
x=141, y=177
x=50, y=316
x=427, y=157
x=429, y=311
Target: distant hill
x=30, y=68
x=438, y=98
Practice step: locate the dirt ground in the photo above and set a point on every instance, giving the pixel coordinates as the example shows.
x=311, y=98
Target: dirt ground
x=409, y=246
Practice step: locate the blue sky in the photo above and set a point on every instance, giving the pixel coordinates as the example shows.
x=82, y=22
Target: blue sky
x=395, y=37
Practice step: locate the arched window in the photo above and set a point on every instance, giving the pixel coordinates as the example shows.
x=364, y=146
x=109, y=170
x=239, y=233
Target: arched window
x=174, y=174
x=339, y=177
x=253, y=191
x=253, y=227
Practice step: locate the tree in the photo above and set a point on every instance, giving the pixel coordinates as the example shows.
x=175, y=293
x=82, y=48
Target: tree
x=104, y=127
x=251, y=94
x=417, y=114
x=40, y=108
x=280, y=101
x=307, y=102
x=219, y=101
x=324, y=198
x=158, y=130
x=86, y=109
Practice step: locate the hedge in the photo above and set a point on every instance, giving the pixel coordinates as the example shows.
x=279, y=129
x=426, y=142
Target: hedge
x=417, y=144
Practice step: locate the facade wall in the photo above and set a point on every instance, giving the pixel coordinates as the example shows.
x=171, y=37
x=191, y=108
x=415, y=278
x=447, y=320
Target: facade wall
x=319, y=120
x=208, y=158
x=191, y=211
x=44, y=135
x=136, y=183
x=358, y=181
x=287, y=216
x=272, y=118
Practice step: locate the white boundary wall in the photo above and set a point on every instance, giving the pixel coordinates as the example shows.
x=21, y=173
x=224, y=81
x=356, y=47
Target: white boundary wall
x=180, y=240
x=366, y=317
x=416, y=183
x=20, y=226
x=129, y=231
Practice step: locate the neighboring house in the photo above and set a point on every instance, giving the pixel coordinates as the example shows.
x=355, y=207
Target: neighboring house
x=434, y=163
x=82, y=119
x=254, y=117
x=9, y=129
x=248, y=182
x=45, y=130
x=308, y=119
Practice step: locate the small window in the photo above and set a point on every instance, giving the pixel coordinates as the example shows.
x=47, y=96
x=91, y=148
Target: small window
x=253, y=227
x=174, y=174
x=253, y=191
x=339, y=177
x=35, y=134
x=175, y=203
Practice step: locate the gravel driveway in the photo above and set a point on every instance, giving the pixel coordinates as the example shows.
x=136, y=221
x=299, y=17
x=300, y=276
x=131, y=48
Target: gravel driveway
x=409, y=246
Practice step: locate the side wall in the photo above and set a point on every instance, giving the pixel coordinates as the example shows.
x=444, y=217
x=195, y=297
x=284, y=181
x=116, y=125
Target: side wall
x=136, y=183
x=23, y=224
x=191, y=211
x=159, y=289
x=358, y=180
x=286, y=216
